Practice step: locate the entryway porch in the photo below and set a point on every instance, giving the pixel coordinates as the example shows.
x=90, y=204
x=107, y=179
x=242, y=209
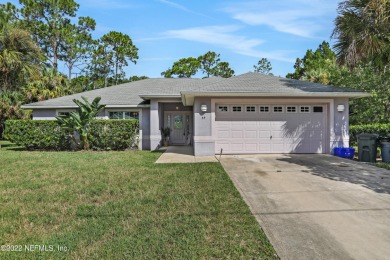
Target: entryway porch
x=182, y=154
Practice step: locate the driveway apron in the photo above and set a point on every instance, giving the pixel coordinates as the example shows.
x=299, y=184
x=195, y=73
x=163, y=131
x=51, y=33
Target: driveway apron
x=316, y=206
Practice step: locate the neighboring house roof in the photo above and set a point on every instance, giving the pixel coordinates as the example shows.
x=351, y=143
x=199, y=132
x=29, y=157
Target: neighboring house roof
x=249, y=84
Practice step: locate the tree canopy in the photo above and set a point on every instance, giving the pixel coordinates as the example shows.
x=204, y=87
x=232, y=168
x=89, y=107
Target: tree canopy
x=209, y=64
x=112, y=52
x=315, y=65
x=362, y=32
x=263, y=66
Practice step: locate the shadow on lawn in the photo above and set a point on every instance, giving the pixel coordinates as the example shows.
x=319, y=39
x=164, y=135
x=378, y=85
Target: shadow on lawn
x=333, y=168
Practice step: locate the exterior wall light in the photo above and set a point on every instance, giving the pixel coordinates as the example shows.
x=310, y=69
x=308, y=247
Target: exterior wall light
x=340, y=108
x=203, y=108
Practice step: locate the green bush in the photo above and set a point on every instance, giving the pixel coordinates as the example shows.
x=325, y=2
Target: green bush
x=383, y=130
x=113, y=134
x=37, y=134
x=48, y=135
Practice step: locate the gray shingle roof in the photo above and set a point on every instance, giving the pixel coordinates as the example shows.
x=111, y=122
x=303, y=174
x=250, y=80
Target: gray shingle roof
x=129, y=93
x=256, y=82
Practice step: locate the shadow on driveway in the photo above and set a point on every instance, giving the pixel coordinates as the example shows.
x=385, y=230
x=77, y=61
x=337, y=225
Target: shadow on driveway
x=338, y=169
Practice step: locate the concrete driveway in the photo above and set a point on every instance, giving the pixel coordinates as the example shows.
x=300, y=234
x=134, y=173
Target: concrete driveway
x=316, y=206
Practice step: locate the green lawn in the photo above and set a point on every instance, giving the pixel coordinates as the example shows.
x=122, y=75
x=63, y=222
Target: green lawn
x=116, y=205
x=382, y=165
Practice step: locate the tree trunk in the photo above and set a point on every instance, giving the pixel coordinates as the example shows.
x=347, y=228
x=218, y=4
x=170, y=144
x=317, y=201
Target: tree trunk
x=55, y=52
x=116, y=73
x=70, y=67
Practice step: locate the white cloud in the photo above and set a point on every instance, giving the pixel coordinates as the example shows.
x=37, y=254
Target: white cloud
x=224, y=36
x=303, y=18
x=181, y=7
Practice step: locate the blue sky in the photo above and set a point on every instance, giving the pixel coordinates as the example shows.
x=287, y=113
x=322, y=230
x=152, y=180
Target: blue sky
x=241, y=31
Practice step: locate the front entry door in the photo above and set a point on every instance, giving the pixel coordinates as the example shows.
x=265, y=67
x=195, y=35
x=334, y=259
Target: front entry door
x=180, y=124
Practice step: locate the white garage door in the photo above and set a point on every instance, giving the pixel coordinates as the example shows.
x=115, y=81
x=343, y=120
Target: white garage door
x=270, y=128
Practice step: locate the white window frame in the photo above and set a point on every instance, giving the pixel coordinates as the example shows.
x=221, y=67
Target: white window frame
x=227, y=108
x=250, y=111
x=107, y=113
x=123, y=112
x=295, y=107
x=277, y=112
x=304, y=112
x=237, y=111
x=268, y=107
x=58, y=111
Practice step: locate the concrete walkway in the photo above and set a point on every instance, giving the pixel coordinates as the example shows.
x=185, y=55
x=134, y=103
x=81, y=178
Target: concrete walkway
x=316, y=206
x=182, y=154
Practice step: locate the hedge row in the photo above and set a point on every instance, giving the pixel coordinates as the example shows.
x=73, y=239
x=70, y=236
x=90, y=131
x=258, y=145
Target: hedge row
x=114, y=134
x=383, y=130
x=48, y=135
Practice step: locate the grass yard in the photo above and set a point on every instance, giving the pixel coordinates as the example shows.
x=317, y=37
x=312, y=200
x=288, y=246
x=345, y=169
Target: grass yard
x=116, y=205
x=382, y=165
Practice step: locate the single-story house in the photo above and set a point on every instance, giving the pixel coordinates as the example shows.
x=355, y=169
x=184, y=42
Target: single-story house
x=248, y=113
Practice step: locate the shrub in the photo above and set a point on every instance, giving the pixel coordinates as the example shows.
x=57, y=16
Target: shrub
x=383, y=130
x=113, y=134
x=48, y=135
x=37, y=134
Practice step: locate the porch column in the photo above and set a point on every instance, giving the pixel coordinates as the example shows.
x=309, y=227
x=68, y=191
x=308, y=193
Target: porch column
x=155, y=134
x=204, y=143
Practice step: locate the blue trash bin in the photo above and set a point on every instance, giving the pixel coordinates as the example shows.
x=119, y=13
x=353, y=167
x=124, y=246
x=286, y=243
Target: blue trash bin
x=344, y=152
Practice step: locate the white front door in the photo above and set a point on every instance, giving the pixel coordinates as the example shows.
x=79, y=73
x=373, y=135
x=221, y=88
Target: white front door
x=180, y=124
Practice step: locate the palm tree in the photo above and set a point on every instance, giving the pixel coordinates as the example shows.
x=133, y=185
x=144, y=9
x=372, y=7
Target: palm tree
x=10, y=102
x=20, y=58
x=50, y=84
x=362, y=32
x=80, y=120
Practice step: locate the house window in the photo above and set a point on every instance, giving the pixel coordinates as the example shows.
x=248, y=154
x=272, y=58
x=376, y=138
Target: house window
x=237, y=109
x=168, y=121
x=305, y=109
x=278, y=109
x=317, y=109
x=222, y=108
x=124, y=115
x=66, y=114
x=291, y=109
x=250, y=109
x=178, y=121
x=264, y=109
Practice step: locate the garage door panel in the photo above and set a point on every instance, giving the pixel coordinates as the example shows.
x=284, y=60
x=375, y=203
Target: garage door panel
x=251, y=147
x=223, y=133
x=237, y=123
x=277, y=147
x=270, y=132
x=251, y=134
x=264, y=124
x=237, y=134
x=277, y=134
x=237, y=147
x=264, y=147
x=264, y=134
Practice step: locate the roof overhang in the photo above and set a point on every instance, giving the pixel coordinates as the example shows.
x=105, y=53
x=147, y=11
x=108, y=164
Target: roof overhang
x=149, y=97
x=63, y=107
x=188, y=97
